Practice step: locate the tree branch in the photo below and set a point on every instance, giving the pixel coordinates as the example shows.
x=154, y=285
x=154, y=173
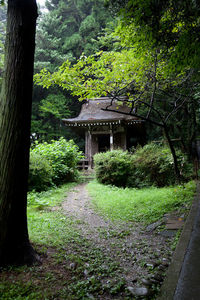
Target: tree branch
x=135, y=115
x=154, y=86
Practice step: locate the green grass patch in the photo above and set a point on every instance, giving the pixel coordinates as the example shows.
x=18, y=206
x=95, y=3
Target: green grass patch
x=47, y=227
x=51, y=197
x=141, y=205
x=19, y=291
x=50, y=229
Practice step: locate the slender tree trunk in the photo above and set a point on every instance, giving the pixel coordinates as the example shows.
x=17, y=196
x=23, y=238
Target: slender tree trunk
x=176, y=168
x=15, y=118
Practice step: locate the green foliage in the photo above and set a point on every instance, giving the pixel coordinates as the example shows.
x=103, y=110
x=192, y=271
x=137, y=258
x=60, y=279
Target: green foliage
x=146, y=205
x=40, y=172
x=100, y=74
x=49, y=228
x=19, y=291
x=152, y=67
x=153, y=165
x=171, y=26
x=156, y=94
x=150, y=165
x=53, y=105
x=87, y=25
x=62, y=156
x=113, y=167
x=48, y=42
x=72, y=41
x=49, y=198
x=66, y=30
x=48, y=112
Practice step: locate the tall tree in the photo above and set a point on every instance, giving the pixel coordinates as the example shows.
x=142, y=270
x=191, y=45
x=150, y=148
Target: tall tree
x=2, y=38
x=15, y=117
x=64, y=32
x=68, y=29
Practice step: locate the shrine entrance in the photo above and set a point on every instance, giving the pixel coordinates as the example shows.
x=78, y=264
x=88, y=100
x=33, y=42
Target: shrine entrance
x=103, y=142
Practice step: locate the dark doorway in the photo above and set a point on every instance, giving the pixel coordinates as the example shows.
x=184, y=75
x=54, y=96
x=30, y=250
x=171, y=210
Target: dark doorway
x=103, y=142
x=135, y=136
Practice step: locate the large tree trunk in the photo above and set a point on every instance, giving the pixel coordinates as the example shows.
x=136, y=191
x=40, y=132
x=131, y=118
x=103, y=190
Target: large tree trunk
x=15, y=118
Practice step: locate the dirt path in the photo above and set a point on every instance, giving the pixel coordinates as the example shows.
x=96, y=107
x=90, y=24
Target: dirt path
x=78, y=205
x=138, y=252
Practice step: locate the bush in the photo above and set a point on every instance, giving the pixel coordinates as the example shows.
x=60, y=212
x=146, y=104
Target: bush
x=152, y=165
x=113, y=167
x=40, y=172
x=61, y=156
x=147, y=166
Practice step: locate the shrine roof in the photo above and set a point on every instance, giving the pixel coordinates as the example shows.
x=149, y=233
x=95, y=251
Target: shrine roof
x=91, y=113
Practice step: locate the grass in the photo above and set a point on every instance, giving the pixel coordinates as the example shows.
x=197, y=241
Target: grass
x=141, y=205
x=51, y=197
x=47, y=227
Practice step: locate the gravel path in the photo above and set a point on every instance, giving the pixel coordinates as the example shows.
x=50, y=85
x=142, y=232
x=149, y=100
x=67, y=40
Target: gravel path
x=78, y=205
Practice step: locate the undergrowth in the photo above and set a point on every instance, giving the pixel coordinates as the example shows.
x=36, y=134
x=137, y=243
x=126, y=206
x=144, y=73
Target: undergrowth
x=49, y=198
x=141, y=205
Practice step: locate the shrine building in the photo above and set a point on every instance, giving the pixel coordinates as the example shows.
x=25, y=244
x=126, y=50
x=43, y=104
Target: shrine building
x=106, y=130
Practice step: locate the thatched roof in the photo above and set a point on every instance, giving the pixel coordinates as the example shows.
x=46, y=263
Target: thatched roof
x=92, y=114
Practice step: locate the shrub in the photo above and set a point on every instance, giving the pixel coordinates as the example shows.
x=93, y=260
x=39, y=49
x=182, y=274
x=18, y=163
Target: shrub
x=62, y=156
x=147, y=166
x=40, y=172
x=113, y=167
x=153, y=165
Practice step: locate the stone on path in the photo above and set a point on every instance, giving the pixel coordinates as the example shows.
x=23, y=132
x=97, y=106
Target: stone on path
x=146, y=282
x=168, y=233
x=138, y=291
x=174, y=224
x=153, y=226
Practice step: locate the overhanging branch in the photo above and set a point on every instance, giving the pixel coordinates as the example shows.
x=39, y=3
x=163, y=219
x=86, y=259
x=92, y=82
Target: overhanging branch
x=134, y=115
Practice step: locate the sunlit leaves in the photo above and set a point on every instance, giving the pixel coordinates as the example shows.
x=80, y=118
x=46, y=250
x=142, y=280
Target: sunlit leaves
x=171, y=26
x=99, y=74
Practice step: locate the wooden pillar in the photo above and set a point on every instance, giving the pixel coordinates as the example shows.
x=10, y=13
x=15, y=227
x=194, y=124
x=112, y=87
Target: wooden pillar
x=86, y=144
x=124, y=141
x=111, y=138
x=89, y=149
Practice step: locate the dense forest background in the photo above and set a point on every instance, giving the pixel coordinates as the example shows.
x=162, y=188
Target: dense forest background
x=167, y=43
x=67, y=30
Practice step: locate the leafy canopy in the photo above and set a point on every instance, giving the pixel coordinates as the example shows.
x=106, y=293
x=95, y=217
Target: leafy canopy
x=103, y=73
x=170, y=25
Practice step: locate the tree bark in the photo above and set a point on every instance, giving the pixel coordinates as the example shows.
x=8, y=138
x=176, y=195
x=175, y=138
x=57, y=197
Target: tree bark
x=15, y=119
x=173, y=152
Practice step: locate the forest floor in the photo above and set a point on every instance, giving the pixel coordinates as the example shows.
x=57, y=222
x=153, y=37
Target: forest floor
x=142, y=254
x=102, y=259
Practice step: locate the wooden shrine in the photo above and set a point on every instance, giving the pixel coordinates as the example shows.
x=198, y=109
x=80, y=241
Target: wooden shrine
x=106, y=130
